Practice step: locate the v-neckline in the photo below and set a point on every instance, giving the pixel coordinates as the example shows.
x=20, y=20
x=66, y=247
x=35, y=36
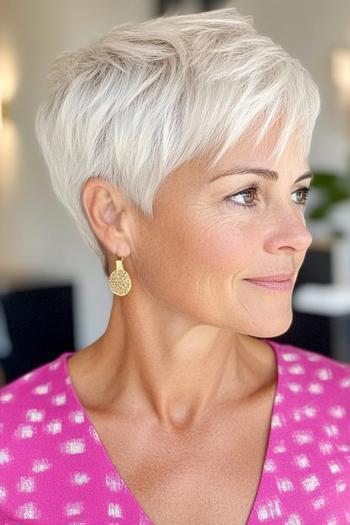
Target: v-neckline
x=107, y=460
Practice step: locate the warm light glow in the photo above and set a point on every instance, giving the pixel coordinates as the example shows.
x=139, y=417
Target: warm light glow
x=9, y=137
x=9, y=161
x=8, y=74
x=341, y=73
x=8, y=80
x=1, y=124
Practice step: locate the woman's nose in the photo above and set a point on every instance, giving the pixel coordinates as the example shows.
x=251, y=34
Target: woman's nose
x=290, y=232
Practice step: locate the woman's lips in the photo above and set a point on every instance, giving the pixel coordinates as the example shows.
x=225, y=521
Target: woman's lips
x=273, y=285
x=273, y=277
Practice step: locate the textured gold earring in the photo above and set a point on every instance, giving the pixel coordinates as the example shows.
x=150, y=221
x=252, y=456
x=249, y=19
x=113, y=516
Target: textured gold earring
x=119, y=280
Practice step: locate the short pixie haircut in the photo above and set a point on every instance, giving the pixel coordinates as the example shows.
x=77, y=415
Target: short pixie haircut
x=147, y=97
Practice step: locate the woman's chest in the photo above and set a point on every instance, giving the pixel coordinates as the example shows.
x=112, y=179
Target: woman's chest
x=211, y=479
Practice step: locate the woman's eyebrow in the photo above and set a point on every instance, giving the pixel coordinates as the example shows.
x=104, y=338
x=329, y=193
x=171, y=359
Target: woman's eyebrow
x=263, y=172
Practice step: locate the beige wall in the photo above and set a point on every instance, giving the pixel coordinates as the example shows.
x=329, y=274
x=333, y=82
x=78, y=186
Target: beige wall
x=37, y=237
x=309, y=30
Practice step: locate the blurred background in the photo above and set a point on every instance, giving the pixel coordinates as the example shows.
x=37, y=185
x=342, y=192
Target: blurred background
x=54, y=296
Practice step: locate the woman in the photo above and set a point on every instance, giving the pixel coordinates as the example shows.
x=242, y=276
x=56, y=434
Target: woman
x=180, y=147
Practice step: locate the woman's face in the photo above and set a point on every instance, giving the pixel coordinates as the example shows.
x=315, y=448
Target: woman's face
x=195, y=255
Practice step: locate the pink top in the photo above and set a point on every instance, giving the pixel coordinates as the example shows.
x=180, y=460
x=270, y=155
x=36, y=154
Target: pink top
x=55, y=470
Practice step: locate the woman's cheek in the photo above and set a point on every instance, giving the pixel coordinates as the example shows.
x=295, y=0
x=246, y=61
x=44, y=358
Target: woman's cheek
x=229, y=248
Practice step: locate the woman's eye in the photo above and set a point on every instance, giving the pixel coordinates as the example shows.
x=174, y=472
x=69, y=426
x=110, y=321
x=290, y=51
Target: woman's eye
x=247, y=196
x=304, y=193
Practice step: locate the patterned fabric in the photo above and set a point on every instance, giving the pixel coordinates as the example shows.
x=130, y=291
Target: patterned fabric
x=55, y=470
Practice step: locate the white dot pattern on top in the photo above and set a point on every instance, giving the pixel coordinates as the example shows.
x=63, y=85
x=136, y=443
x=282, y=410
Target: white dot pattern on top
x=55, y=470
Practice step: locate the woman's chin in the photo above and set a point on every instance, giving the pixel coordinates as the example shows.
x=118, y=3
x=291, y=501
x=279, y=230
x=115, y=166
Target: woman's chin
x=272, y=329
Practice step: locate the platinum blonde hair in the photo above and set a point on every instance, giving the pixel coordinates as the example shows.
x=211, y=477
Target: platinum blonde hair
x=147, y=97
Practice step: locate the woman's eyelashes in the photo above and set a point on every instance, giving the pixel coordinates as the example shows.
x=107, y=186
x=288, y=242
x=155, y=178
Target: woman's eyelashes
x=248, y=195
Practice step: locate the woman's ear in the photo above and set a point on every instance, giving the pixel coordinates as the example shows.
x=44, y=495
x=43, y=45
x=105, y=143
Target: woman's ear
x=107, y=213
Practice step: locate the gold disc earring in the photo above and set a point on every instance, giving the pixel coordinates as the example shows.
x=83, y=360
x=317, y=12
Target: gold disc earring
x=119, y=280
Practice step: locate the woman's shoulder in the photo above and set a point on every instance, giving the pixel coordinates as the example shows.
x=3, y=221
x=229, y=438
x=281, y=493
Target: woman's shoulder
x=315, y=374
x=298, y=358
x=38, y=381
x=31, y=398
